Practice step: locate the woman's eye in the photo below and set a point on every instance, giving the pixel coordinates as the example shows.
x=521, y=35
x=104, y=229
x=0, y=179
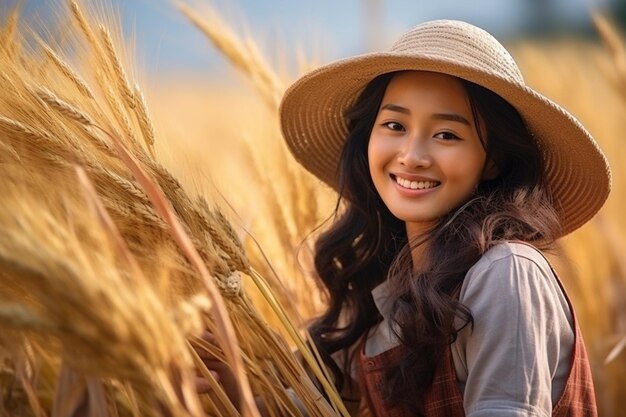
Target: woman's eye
x=447, y=136
x=395, y=126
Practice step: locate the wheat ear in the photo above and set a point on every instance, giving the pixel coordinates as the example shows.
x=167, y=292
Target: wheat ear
x=244, y=56
x=83, y=24
x=144, y=119
x=7, y=36
x=66, y=70
x=225, y=326
x=615, y=45
x=64, y=107
x=118, y=71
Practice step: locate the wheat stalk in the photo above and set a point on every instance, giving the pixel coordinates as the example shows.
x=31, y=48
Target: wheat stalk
x=144, y=119
x=63, y=107
x=302, y=202
x=225, y=327
x=292, y=200
x=118, y=71
x=83, y=24
x=615, y=45
x=120, y=114
x=61, y=303
x=15, y=127
x=66, y=70
x=243, y=55
x=134, y=102
x=7, y=35
x=88, y=256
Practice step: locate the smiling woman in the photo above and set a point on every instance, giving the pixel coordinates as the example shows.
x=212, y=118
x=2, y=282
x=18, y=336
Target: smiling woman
x=451, y=175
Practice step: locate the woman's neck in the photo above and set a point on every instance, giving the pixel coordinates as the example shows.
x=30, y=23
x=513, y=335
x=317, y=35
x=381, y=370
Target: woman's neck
x=418, y=242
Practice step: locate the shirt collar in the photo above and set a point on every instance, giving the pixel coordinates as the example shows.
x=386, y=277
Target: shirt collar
x=383, y=299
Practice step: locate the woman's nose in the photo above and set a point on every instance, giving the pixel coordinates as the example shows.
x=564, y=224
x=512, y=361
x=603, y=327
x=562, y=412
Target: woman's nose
x=414, y=153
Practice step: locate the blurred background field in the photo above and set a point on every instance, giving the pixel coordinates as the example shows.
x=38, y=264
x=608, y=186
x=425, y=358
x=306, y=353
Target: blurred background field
x=219, y=134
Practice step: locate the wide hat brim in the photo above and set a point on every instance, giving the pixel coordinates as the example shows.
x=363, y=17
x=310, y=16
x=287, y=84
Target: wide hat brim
x=313, y=125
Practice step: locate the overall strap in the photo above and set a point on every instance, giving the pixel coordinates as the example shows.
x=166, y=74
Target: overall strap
x=371, y=378
x=443, y=398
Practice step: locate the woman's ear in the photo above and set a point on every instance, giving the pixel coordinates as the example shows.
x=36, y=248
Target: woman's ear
x=490, y=171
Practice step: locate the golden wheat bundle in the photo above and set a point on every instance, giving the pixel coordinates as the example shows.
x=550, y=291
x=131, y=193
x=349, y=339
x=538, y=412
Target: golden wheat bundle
x=107, y=277
x=85, y=295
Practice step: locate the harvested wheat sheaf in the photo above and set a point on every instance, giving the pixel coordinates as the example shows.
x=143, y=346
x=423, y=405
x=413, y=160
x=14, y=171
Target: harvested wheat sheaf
x=109, y=270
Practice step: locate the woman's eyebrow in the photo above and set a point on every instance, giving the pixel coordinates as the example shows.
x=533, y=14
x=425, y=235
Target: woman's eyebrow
x=453, y=117
x=395, y=107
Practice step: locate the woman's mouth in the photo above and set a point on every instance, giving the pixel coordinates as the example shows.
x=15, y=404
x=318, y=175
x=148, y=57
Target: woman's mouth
x=415, y=185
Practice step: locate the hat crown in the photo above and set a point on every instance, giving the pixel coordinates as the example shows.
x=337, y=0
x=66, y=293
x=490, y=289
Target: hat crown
x=462, y=44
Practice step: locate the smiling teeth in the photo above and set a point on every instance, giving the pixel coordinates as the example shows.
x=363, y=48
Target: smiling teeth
x=416, y=185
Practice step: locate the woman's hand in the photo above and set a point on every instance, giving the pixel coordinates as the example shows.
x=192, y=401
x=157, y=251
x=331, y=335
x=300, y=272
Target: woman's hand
x=219, y=370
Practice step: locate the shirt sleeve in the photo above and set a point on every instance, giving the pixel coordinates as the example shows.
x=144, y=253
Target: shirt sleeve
x=522, y=327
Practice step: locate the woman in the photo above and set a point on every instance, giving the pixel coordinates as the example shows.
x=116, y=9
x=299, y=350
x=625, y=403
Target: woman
x=452, y=174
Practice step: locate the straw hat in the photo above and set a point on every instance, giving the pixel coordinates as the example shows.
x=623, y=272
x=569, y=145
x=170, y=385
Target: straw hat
x=315, y=130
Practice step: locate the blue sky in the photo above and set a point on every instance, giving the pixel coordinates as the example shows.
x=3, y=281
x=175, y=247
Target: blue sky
x=329, y=29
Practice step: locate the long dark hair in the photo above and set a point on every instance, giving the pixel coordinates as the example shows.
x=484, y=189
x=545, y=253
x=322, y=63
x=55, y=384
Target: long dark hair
x=367, y=245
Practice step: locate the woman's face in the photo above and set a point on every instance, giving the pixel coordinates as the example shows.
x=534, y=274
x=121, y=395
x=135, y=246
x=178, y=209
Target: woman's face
x=425, y=155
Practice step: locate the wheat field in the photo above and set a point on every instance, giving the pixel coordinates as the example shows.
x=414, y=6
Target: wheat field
x=220, y=142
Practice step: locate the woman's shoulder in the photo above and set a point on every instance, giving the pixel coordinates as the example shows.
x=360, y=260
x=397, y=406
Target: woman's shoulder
x=511, y=270
x=522, y=332
x=509, y=253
